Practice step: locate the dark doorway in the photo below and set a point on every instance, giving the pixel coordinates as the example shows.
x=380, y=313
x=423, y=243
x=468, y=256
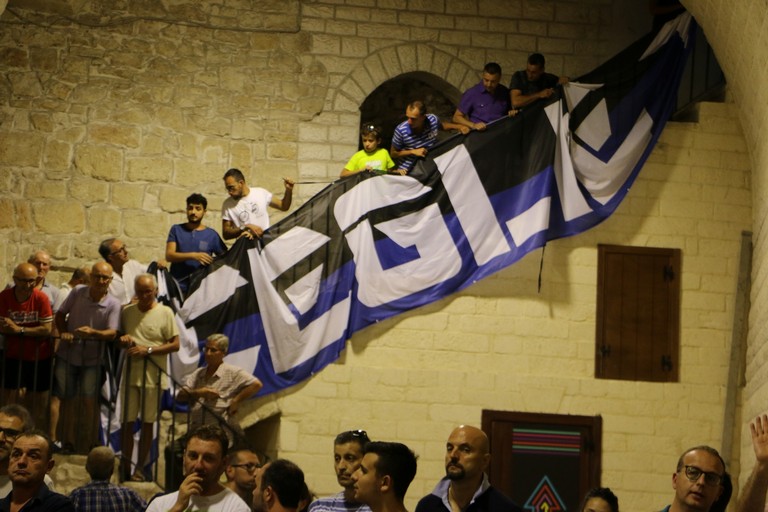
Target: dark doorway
x=544, y=461
x=385, y=106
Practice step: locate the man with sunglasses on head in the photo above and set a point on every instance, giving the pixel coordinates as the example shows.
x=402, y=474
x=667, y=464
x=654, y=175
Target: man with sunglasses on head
x=698, y=480
x=241, y=472
x=348, y=450
x=244, y=212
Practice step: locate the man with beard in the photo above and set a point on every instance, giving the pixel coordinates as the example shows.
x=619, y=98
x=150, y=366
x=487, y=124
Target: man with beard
x=192, y=245
x=240, y=471
x=279, y=487
x=465, y=487
x=203, y=466
x=347, y=454
x=31, y=459
x=386, y=471
x=244, y=212
x=698, y=480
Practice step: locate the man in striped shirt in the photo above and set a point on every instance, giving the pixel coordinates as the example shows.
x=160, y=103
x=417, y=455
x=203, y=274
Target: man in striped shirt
x=413, y=137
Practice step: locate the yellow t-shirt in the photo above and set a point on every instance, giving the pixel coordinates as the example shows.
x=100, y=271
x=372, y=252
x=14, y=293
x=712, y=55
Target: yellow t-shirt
x=378, y=161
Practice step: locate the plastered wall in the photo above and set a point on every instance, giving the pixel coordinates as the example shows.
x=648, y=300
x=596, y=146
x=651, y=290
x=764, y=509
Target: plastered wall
x=106, y=127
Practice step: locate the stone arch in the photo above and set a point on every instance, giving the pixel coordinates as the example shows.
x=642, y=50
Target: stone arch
x=394, y=61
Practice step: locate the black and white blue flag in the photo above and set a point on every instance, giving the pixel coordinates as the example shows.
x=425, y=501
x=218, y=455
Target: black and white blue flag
x=369, y=247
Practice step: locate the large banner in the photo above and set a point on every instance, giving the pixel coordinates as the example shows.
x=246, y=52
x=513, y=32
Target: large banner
x=369, y=247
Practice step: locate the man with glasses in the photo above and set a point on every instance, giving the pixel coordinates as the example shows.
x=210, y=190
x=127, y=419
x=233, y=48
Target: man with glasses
x=115, y=252
x=244, y=212
x=697, y=480
x=14, y=420
x=241, y=472
x=347, y=454
x=87, y=320
x=26, y=320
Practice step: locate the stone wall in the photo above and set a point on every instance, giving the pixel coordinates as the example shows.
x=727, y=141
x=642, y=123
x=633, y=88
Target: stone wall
x=109, y=117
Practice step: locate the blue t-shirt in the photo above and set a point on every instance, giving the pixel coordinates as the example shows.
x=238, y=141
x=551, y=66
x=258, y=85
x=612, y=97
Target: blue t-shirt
x=206, y=240
x=404, y=138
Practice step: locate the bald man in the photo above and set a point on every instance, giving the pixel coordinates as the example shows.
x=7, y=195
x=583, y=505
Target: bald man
x=99, y=495
x=465, y=487
x=26, y=319
x=87, y=320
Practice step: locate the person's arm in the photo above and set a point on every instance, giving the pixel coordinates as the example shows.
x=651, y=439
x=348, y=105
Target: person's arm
x=420, y=152
x=172, y=255
x=520, y=100
x=11, y=327
x=247, y=392
x=752, y=496
x=171, y=345
x=90, y=333
x=461, y=119
x=284, y=203
x=447, y=125
x=230, y=231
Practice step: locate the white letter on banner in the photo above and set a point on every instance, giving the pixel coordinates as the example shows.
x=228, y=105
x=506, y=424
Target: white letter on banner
x=425, y=230
x=473, y=208
x=289, y=345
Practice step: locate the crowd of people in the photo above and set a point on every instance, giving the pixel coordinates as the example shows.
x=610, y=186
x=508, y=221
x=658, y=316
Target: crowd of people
x=374, y=477
x=480, y=105
x=54, y=342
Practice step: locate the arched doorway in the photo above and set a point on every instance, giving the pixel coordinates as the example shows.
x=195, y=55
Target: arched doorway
x=385, y=105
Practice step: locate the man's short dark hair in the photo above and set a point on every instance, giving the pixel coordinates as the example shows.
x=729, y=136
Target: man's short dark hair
x=79, y=274
x=36, y=432
x=492, y=68
x=211, y=433
x=105, y=248
x=603, y=493
x=287, y=480
x=21, y=412
x=420, y=106
x=358, y=436
x=198, y=199
x=703, y=448
x=395, y=460
x=234, y=173
x=536, y=59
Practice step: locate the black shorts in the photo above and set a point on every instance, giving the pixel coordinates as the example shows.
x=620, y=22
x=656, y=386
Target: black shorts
x=33, y=375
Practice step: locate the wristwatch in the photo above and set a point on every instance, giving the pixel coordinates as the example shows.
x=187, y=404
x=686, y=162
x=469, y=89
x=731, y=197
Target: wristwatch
x=149, y=351
x=21, y=331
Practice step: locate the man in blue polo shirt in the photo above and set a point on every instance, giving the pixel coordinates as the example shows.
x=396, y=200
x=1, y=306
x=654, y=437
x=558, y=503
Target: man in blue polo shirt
x=485, y=102
x=414, y=136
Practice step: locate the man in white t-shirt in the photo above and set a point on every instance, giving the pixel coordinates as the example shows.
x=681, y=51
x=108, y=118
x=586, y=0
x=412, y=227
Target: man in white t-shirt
x=244, y=212
x=204, y=459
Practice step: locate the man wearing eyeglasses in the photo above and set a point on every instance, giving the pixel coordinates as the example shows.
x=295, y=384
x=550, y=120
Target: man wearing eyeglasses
x=14, y=420
x=26, y=321
x=347, y=454
x=87, y=320
x=241, y=471
x=697, y=480
x=115, y=252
